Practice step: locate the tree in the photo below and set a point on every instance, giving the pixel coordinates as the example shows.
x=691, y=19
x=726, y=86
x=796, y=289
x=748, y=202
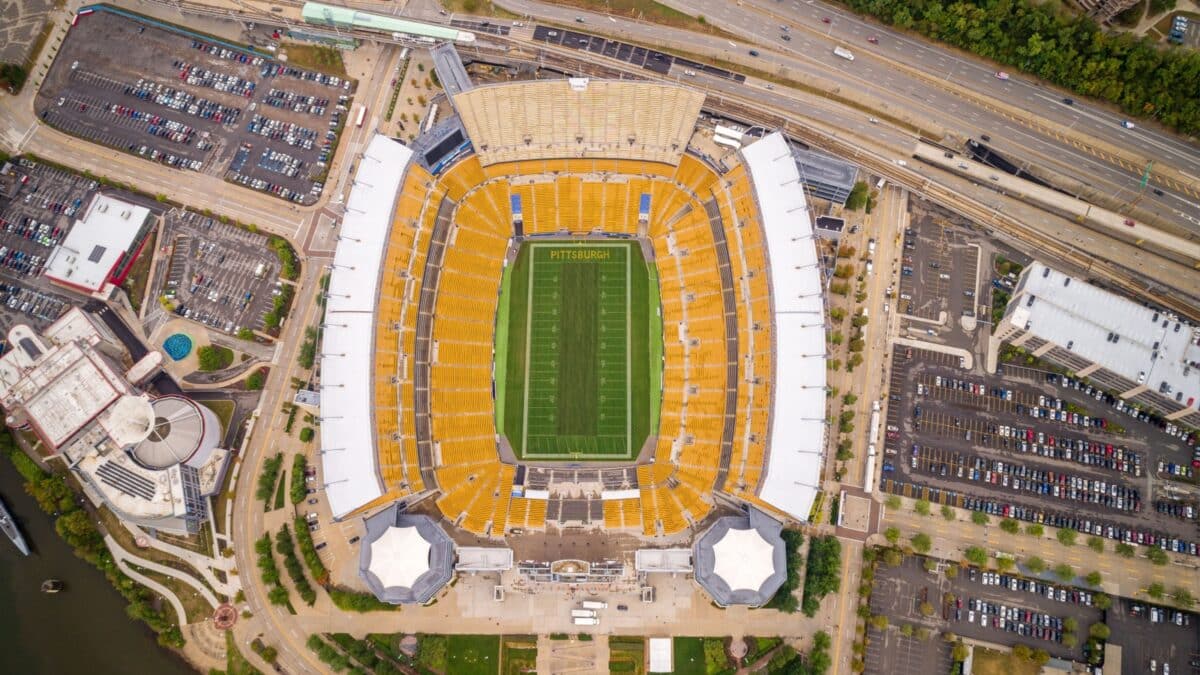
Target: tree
x=921, y=507
x=1102, y=601
x=1157, y=556
x=823, y=573
x=256, y=380
x=1096, y=543
x=1070, y=624
x=951, y=571
x=960, y=652
x=1064, y=572
x=930, y=565
x=1005, y=564
x=1156, y=590
x=879, y=621
x=1040, y=656
x=1093, y=578
x=245, y=334
x=214, y=357
x=976, y=555
x=892, y=534
x=980, y=518
x=1099, y=631
x=1125, y=550
x=858, y=196
x=892, y=502
x=1035, y=564
x=926, y=609
x=921, y=543
x=1035, y=530
x=892, y=557
x=1010, y=526
x=1182, y=597
x=1066, y=536
x=1023, y=652
x=1069, y=640
x=948, y=512
x=906, y=630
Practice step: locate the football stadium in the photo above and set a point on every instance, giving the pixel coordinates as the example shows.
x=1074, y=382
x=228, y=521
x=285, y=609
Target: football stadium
x=554, y=309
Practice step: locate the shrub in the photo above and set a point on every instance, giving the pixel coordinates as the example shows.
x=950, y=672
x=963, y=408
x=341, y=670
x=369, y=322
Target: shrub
x=1010, y=526
x=921, y=542
x=299, y=489
x=823, y=573
x=976, y=555
x=1067, y=536
x=256, y=380
x=784, y=599
x=308, y=551
x=214, y=357
x=306, y=434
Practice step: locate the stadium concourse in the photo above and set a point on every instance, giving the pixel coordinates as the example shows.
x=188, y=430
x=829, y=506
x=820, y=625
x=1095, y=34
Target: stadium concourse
x=408, y=404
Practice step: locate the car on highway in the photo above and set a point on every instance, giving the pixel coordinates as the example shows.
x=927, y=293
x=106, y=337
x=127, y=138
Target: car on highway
x=1068, y=101
x=1127, y=124
x=1001, y=75
x=785, y=37
x=753, y=52
x=825, y=19
x=873, y=40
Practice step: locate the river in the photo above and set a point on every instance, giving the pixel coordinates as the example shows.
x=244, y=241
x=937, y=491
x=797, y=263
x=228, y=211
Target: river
x=83, y=629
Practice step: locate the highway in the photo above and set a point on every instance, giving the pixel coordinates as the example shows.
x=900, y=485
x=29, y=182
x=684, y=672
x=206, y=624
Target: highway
x=887, y=76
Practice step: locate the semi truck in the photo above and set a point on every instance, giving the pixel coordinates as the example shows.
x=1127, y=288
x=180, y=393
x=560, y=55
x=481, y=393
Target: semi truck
x=595, y=604
x=583, y=613
x=585, y=621
x=844, y=53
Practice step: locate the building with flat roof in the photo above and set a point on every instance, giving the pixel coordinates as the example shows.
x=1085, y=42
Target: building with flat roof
x=150, y=460
x=101, y=246
x=741, y=560
x=1144, y=355
x=825, y=177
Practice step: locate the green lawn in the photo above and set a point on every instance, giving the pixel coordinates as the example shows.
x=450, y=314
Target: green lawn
x=580, y=371
x=689, y=656
x=472, y=654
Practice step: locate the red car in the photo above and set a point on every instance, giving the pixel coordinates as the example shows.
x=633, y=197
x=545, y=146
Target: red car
x=873, y=40
x=825, y=19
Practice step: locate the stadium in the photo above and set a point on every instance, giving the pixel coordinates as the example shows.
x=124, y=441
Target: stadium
x=555, y=309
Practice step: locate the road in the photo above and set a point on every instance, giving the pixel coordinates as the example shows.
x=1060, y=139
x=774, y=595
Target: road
x=880, y=73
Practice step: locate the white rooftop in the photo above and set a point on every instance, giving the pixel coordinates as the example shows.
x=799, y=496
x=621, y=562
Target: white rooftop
x=483, y=558
x=347, y=429
x=399, y=557
x=96, y=243
x=76, y=387
x=662, y=658
x=1138, y=343
x=743, y=559
x=797, y=436
x=663, y=560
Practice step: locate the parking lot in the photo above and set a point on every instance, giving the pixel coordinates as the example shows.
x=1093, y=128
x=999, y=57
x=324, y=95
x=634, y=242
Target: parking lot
x=188, y=102
x=1023, y=444
x=1149, y=632
x=938, y=271
x=37, y=209
x=217, y=274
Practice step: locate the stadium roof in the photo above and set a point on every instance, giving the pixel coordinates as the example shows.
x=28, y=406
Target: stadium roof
x=328, y=15
x=404, y=558
x=1138, y=343
x=797, y=435
x=347, y=432
x=741, y=560
x=97, y=242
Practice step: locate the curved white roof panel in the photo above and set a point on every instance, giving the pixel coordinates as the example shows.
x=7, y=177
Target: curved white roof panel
x=797, y=437
x=348, y=456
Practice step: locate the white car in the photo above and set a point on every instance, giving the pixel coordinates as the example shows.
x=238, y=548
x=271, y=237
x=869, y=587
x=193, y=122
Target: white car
x=1127, y=124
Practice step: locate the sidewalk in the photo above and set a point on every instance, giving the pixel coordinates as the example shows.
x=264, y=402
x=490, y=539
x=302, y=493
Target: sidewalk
x=202, y=563
x=127, y=557
x=1121, y=576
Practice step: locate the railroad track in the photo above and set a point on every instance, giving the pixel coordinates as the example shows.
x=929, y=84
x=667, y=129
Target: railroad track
x=509, y=49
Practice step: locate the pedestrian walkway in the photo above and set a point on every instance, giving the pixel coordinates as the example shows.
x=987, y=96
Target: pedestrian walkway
x=202, y=563
x=123, y=555
x=120, y=556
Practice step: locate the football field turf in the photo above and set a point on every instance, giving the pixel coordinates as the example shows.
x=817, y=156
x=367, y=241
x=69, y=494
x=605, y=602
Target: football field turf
x=577, y=362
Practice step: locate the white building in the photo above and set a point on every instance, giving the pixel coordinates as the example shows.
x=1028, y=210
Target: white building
x=150, y=460
x=101, y=245
x=1144, y=355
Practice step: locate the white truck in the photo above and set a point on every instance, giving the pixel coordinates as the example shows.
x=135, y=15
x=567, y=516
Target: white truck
x=585, y=621
x=595, y=604
x=844, y=53
x=583, y=614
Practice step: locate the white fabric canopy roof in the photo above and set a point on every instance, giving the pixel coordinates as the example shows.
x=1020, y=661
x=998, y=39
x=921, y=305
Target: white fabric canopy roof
x=792, y=476
x=743, y=559
x=399, y=557
x=347, y=429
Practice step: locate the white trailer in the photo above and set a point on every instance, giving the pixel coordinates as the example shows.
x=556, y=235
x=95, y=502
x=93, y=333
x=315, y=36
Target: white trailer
x=583, y=613
x=844, y=53
x=585, y=621
x=595, y=604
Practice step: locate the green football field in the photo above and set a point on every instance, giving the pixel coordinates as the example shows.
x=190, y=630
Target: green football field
x=575, y=368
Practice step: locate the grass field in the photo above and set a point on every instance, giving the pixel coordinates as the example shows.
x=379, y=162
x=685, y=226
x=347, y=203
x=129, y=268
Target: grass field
x=472, y=654
x=579, y=371
x=689, y=655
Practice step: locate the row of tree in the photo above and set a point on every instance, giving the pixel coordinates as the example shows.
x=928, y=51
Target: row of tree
x=823, y=575
x=1065, y=48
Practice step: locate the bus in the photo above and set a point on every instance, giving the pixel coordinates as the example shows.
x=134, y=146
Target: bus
x=362, y=115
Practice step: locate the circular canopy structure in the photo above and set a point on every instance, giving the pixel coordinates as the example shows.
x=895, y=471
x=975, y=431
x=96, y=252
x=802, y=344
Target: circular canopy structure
x=741, y=560
x=404, y=558
x=181, y=431
x=400, y=556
